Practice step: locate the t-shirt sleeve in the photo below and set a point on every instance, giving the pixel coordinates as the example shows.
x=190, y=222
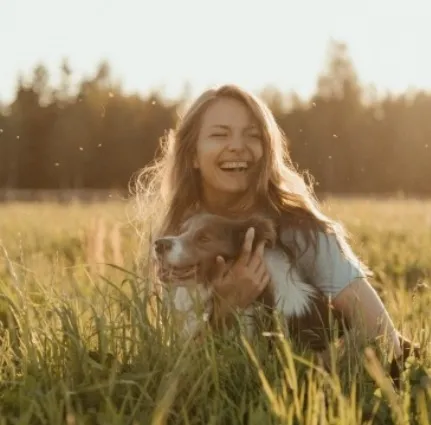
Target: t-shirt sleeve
x=326, y=264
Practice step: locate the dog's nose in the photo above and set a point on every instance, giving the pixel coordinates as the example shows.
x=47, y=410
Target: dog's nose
x=162, y=245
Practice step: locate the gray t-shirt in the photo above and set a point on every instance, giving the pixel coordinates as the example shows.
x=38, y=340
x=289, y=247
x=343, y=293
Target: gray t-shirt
x=325, y=264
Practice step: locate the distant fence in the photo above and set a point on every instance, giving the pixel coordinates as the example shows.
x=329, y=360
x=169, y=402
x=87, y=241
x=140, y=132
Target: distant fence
x=61, y=196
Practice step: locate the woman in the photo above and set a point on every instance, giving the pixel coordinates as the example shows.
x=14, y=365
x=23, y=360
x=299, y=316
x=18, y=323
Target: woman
x=229, y=157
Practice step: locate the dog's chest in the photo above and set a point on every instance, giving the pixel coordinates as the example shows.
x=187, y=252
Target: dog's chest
x=293, y=297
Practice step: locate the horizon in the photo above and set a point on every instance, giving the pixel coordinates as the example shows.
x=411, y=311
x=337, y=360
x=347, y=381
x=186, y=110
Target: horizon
x=386, y=43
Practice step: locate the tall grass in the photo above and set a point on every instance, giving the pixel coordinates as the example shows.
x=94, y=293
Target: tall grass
x=79, y=347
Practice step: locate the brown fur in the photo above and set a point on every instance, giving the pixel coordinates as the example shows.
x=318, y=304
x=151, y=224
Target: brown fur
x=205, y=236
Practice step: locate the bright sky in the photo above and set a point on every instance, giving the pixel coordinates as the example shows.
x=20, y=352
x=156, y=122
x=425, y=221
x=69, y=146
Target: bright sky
x=253, y=43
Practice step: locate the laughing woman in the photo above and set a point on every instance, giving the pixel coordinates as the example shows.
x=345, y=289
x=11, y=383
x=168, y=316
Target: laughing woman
x=229, y=157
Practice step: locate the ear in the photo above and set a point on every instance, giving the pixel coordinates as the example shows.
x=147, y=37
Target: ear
x=195, y=162
x=264, y=229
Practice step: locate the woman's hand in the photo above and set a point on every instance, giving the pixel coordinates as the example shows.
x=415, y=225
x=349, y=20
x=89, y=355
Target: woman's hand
x=237, y=286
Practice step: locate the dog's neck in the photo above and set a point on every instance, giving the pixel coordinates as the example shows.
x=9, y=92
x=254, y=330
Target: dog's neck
x=188, y=296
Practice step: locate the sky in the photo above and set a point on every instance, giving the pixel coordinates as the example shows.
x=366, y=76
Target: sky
x=253, y=43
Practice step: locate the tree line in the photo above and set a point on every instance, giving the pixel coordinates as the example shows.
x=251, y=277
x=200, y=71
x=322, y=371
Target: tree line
x=351, y=140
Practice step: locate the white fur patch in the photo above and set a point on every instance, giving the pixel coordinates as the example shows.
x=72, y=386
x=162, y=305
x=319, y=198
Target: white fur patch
x=176, y=254
x=190, y=306
x=190, y=296
x=293, y=297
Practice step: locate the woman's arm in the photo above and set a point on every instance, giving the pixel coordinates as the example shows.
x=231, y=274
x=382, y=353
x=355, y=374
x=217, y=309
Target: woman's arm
x=361, y=305
x=332, y=266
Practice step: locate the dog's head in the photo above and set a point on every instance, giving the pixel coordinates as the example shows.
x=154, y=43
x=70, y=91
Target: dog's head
x=192, y=253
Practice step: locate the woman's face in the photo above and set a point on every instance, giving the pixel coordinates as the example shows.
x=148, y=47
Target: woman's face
x=228, y=150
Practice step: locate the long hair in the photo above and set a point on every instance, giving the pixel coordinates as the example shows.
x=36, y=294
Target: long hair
x=169, y=188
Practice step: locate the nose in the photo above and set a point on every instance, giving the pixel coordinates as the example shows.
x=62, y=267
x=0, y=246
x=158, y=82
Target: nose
x=162, y=245
x=237, y=141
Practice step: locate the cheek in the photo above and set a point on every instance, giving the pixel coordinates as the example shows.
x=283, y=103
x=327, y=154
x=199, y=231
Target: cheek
x=256, y=148
x=207, y=152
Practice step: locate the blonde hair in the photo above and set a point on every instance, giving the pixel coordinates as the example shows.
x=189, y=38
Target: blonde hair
x=169, y=188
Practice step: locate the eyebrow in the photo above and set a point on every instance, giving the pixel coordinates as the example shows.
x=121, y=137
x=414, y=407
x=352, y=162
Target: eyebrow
x=226, y=127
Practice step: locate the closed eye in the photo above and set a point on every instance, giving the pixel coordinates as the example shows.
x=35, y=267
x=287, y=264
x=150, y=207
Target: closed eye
x=255, y=135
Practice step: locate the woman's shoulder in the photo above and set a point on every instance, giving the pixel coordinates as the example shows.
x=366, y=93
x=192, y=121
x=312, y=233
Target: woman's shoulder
x=325, y=257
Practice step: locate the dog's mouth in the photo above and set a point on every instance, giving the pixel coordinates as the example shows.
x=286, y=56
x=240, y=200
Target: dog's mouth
x=178, y=273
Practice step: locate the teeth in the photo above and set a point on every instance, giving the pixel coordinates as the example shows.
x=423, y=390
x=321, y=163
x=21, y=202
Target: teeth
x=231, y=165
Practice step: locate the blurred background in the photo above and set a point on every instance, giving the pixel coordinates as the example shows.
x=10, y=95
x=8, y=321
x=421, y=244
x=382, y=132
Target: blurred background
x=87, y=88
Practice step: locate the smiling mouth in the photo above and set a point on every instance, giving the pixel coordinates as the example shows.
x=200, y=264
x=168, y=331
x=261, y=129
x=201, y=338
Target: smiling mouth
x=234, y=166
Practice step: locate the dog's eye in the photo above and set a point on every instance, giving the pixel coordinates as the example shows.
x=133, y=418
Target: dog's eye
x=203, y=238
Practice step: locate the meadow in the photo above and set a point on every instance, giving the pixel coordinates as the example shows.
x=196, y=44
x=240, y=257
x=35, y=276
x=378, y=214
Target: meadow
x=79, y=344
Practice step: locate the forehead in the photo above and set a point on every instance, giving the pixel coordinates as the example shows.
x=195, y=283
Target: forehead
x=228, y=112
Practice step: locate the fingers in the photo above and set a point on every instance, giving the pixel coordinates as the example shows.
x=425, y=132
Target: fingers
x=266, y=279
x=220, y=268
x=258, y=287
x=257, y=258
x=260, y=271
x=247, y=278
x=247, y=246
x=262, y=277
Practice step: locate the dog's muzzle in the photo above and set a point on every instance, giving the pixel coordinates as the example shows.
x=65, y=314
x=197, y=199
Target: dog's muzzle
x=162, y=245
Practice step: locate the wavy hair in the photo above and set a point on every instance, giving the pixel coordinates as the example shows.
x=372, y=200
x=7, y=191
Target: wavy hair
x=170, y=187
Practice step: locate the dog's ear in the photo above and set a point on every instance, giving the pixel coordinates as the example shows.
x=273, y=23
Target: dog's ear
x=264, y=228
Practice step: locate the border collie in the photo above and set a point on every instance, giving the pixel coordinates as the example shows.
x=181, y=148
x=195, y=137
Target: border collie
x=187, y=262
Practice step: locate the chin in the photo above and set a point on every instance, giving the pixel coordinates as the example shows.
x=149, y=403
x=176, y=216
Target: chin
x=233, y=188
x=236, y=191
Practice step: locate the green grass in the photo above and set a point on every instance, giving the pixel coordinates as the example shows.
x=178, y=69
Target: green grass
x=79, y=347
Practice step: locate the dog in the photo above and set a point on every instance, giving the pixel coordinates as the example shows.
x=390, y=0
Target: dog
x=188, y=260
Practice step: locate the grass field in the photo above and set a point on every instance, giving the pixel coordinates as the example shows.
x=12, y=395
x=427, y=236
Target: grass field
x=77, y=345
